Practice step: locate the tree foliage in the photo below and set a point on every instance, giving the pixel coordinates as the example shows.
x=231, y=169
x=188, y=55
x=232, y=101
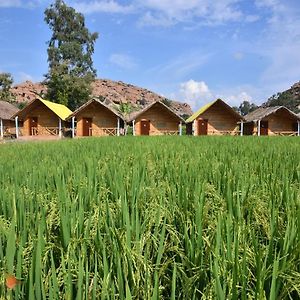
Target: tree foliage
x=286, y=99
x=6, y=81
x=70, y=51
x=246, y=107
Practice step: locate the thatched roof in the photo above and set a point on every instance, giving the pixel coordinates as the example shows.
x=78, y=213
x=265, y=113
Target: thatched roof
x=264, y=112
x=95, y=101
x=204, y=108
x=7, y=110
x=60, y=110
x=136, y=114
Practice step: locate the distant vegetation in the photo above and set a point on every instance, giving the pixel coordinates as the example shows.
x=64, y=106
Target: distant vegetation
x=151, y=218
x=245, y=108
x=287, y=98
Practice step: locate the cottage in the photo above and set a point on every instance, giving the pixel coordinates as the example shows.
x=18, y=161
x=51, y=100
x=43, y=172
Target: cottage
x=215, y=118
x=42, y=118
x=7, y=124
x=95, y=118
x=156, y=119
x=277, y=120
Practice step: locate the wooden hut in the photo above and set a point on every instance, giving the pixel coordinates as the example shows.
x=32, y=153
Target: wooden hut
x=277, y=120
x=156, y=119
x=42, y=118
x=95, y=118
x=215, y=118
x=7, y=124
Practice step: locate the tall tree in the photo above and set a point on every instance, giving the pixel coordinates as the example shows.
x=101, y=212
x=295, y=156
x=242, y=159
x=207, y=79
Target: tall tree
x=246, y=107
x=70, y=51
x=6, y=82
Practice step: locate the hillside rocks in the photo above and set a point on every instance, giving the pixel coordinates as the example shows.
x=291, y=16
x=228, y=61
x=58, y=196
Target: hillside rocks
x=114, y=93
x=27, y=91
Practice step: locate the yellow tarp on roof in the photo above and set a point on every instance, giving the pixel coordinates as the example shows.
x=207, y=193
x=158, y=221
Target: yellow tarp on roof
x=60, y=110
x=200, y=111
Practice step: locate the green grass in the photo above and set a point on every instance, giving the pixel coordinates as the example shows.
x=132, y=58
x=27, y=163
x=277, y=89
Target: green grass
x=151, y=218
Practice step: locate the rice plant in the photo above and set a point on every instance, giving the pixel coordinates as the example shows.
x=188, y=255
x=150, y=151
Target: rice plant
x=151, y=218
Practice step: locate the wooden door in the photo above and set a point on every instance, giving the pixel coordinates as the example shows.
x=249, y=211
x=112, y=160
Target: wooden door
x=87, y=126
x=202, y=127
x=264, y=128
x=33, y=125
x=145, y=127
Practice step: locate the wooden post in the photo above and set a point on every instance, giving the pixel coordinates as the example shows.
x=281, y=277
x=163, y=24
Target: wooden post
x=59, y=127
x=258, y=128
x=194, y=128
x=242, y=128
x=180, y=128
x=1, y=128
x=73, y=127
x=298, y=128
x=125, y=128
x=17, y=127
x=118, y=127
x=133, y=127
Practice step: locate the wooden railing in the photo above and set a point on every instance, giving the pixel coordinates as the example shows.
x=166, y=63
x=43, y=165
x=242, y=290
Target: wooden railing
x=286, y=133
x=164, y=132
x=223, y=132
x=103, y=131
x=44, y=131
x=170, y=132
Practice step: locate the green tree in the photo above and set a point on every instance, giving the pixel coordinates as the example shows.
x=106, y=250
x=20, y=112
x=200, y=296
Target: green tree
x=286, y=99
x=6, y=82
x=70, y=51
x=246, y=107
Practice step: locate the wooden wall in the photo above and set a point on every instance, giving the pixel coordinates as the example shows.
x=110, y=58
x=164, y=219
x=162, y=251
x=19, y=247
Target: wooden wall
x=102, y=118
x=161, y=121
x=220, y=121
x=278, y=123
x=46, y=119
x=8, y=127
x=8, y=124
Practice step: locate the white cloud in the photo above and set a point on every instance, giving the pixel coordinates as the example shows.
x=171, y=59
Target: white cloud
x=267, y=3
x=181, y=66
x=195, y=93
x=237, y=99
x=175, y=11
x=123, y=61
x=238, y=55
x=252, y=18
x=103, y=6
x=280, y=44
x=21, y=3
x=10, y=3
x=148, y=19
x=169, y=12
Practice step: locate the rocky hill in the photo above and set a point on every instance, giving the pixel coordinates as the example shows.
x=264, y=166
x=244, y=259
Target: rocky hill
x=115, y=93
x=289, y=98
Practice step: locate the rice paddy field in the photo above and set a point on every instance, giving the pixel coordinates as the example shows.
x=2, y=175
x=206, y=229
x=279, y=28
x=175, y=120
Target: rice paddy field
x=151, y=218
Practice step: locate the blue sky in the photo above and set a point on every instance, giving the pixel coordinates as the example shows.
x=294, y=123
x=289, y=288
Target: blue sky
x=190, y=50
